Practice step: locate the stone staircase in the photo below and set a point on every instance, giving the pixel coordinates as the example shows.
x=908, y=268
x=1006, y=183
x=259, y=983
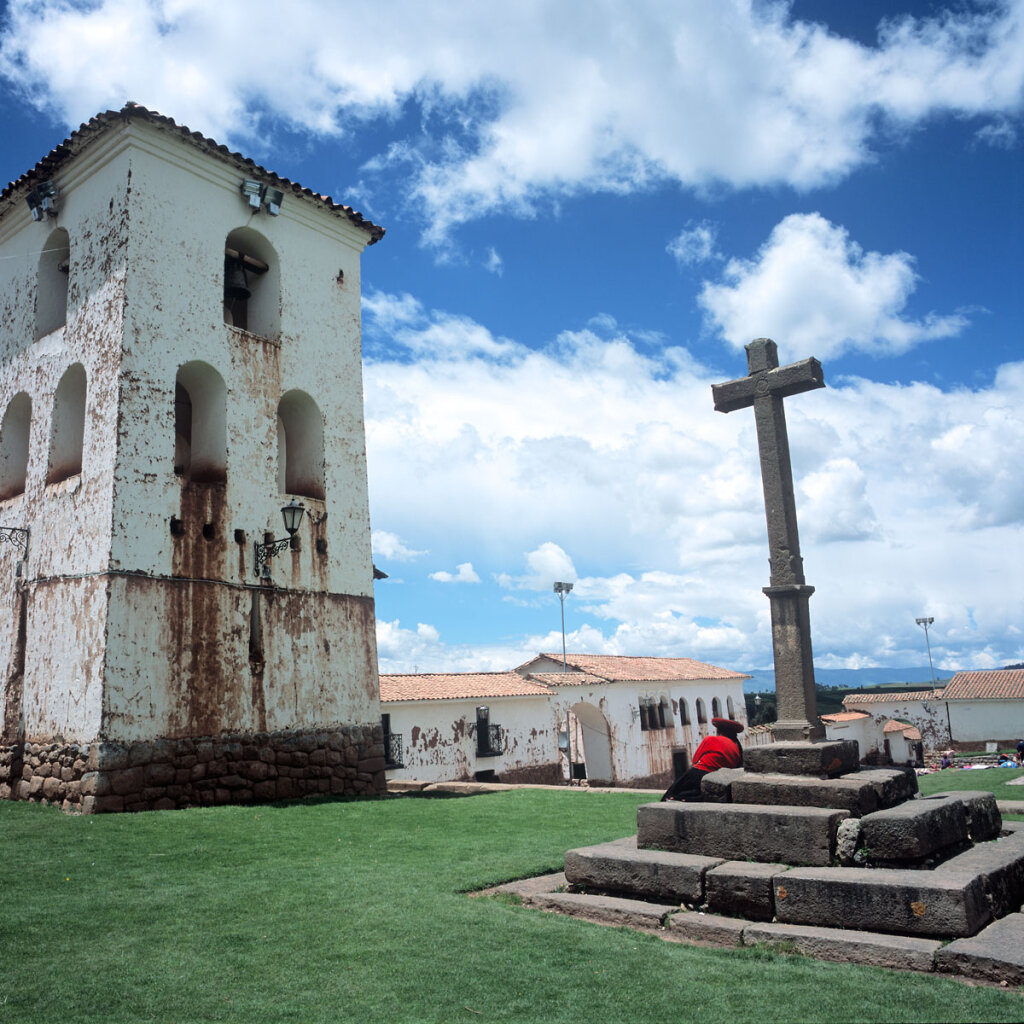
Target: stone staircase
x=802, y=836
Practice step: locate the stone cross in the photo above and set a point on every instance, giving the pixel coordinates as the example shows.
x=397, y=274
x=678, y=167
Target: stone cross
x=764, y=387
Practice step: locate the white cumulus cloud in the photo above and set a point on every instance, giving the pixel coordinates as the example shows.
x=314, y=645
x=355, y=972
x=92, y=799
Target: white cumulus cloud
x=524, y=103
x=814, y=288
x=390, y=545
x=464, y=573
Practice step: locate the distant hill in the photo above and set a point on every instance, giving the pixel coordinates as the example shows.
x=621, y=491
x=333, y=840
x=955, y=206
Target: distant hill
x=855, y=678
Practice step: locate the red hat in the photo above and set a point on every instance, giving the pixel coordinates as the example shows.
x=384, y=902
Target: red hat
x=727, y=725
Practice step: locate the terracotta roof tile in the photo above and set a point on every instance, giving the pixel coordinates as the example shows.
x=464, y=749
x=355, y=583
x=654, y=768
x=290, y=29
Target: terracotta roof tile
x=893, y=726
x=456, y=685
x=879, y=698
x=845, y=716
x=997, y=684
x=94, y=127
x=617, y=669
x=569, y=678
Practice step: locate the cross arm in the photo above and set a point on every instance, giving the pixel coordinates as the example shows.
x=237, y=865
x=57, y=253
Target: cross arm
x=783, y=381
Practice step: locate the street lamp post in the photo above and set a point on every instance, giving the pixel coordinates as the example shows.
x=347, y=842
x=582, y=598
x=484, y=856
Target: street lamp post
x=926, y=623
x=561, y=589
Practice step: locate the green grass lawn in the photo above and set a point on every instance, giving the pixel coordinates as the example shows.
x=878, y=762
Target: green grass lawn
x=355, y=912
x=994, y=780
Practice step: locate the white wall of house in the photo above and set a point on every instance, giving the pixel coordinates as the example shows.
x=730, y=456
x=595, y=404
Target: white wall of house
x=928, y=716
x=864, y=731
x=439, y=739
x=980, y=721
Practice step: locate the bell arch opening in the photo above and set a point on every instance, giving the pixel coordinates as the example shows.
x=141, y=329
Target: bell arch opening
x=67, y=432
x=200, y=424
x=252, y=284
x=52, y=283
x=14, y=437
x=300, y=446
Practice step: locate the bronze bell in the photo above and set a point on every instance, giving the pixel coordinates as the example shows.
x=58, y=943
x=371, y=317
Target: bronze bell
x=236, y=281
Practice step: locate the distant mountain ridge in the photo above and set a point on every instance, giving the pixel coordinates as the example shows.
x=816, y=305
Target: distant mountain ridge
x=915, y=678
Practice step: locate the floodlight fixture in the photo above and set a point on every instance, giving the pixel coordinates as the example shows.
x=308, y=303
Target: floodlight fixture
x=272, y=199
x=252, y=193
x=258, y=195
x=42, y=200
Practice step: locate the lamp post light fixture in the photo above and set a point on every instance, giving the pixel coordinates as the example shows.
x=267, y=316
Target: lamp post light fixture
x=561, y=589
x=926, y=623
x=292, y=516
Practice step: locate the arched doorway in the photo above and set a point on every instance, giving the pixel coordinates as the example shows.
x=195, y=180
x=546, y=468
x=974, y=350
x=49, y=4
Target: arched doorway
x=590, y=732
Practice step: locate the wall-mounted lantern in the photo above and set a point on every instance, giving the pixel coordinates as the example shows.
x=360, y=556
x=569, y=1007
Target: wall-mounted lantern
x=42, y=200
x=292, y=516
x=17, y=537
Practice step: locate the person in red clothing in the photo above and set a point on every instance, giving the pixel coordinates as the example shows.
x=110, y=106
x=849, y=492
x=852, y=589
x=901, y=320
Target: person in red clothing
x=720, y=751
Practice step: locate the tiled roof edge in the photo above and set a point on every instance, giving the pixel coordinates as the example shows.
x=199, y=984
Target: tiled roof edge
x=90, y=129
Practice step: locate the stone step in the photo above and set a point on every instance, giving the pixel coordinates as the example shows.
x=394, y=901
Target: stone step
x=996, y=953
x=847, y=792
x=859, y=792
x=1000, y=865
x=914, y=830
x=983, y=818
x=892, y=900
x=848, y=946
x=765, y=833
x=824, y=759
x=612, y=910
x=621, y=867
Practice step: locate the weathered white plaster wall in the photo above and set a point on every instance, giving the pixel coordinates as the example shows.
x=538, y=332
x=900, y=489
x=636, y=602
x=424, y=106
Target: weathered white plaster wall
x=134, y=655
x=929, y=716
x=439, y=737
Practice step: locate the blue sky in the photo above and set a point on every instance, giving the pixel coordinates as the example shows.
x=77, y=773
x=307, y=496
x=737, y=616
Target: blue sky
x=590, y=208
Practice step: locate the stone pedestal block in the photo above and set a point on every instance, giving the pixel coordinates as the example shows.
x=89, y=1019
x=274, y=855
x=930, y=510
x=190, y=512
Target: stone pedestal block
x=914, y=829
x=652, y=874
x=739, y=888
x=997, y=954
x=821, y=760
x=983, y=818
x=891, y=900
x=893, y=785
x=792, y=835
x=1000, y=864
x=846, y=793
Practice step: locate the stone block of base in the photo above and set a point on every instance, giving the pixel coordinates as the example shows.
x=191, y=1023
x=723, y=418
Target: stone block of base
x=892, y=900
x=996, y=954
x=846, y=793
x=716, y=787
x=1000, y=864
x=690, y=926
x=893, y=785
x=653, y=874
x=741, y=888
x=914, y=829
x=827, y=758
x=902, y=952
x=984, y=821
x=792, y=835
x=605, y=909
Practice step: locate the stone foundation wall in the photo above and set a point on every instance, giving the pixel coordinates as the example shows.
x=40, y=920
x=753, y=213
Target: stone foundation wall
x=173, y=773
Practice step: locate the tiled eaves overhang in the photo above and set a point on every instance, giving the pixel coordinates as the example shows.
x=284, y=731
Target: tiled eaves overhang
x=79, y=139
